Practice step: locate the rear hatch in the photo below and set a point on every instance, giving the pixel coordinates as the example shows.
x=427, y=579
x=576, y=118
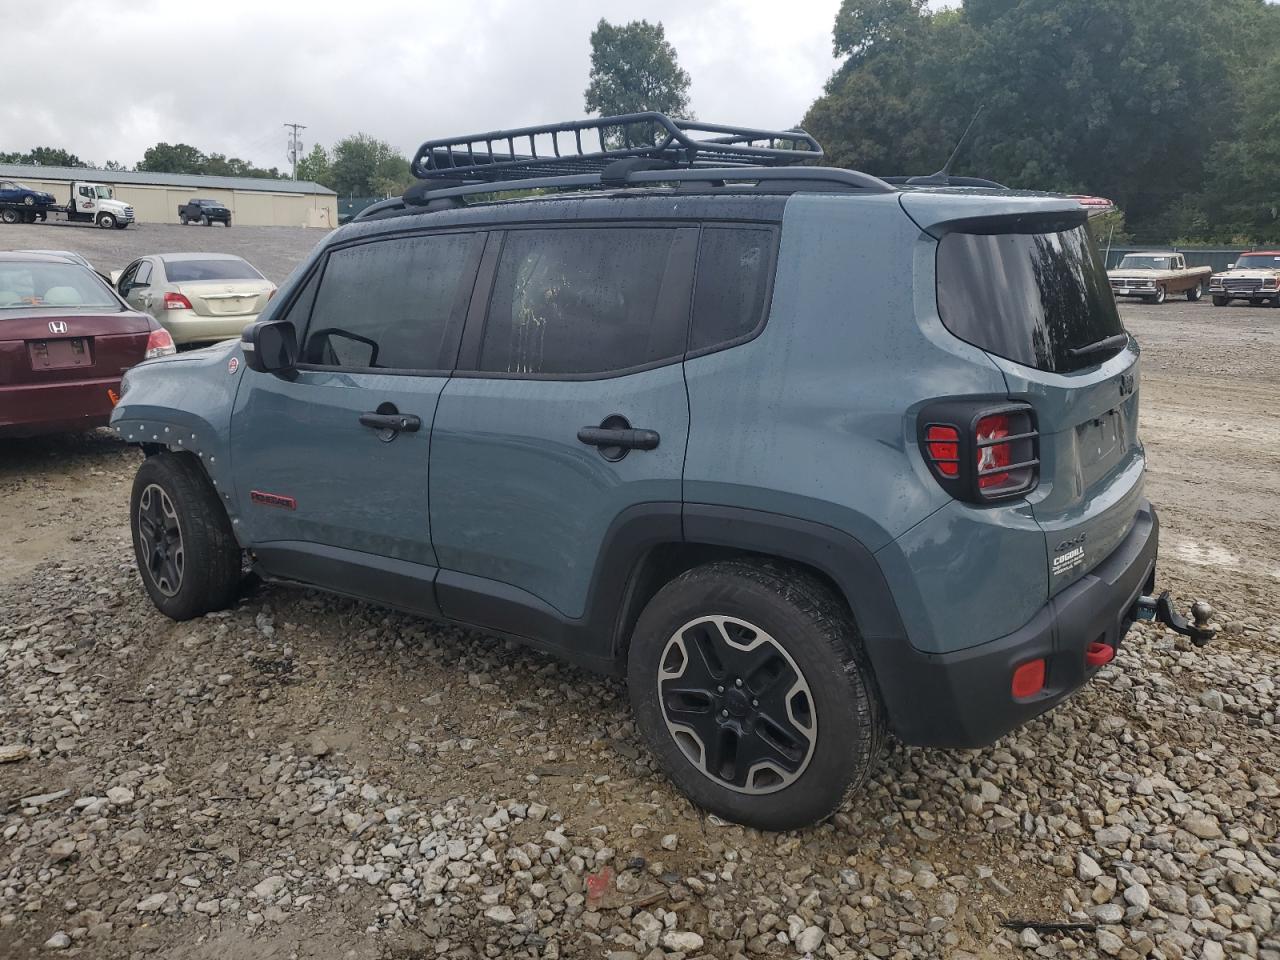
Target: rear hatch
x=1029, y=288
x=219, y=287
x=40, y=345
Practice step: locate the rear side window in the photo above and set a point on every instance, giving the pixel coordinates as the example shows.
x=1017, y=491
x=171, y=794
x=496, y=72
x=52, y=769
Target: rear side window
x=734, y=268
x=25, y=284
x=396, y=304
x=579, y=301
x=1028, y=297
x=191, y=271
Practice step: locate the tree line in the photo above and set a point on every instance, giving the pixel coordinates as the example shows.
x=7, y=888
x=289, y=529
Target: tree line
x=1165, y=106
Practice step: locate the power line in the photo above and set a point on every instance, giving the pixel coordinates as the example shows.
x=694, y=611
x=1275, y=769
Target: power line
x=295, y=145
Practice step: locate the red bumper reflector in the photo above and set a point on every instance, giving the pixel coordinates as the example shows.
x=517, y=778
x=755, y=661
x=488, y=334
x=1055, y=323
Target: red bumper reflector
x=1096, y=654
x=1028, y=679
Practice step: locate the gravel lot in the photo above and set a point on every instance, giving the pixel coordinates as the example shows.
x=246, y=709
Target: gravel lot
x=318, y=778
x=273, y=250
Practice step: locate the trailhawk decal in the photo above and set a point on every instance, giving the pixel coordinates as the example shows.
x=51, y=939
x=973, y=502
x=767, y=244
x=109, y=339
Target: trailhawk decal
x=273, y=500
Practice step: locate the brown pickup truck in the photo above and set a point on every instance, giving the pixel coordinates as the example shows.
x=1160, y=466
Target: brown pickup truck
x=1154, y=276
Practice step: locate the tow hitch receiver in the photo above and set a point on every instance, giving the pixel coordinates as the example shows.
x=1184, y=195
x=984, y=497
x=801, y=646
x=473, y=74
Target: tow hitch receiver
x=1161, y=609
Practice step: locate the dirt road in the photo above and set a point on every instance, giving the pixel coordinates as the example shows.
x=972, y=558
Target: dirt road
x=312, y=777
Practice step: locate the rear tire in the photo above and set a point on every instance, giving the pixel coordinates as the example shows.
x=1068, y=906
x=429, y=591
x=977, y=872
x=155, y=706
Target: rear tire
x=187, y=554
x=184, y=220
x=1195, y=293
x=9, y=215
x=1221, y=301
x=751, y=688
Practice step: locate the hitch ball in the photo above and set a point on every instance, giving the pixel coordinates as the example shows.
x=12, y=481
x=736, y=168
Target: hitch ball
x=1201, y=612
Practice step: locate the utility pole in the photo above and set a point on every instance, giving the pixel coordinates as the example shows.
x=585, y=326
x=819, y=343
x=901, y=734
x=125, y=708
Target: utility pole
x=295, y=145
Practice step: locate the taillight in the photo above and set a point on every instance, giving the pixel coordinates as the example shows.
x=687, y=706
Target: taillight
x=942, y=444
x=981, y=451
x=159, y=344
x=176, y=301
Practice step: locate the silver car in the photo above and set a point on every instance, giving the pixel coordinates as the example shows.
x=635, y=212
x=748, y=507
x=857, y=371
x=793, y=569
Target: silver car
x=198, y=297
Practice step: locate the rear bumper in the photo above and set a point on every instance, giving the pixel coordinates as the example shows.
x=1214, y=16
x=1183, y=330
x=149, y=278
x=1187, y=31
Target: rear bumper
x=187, y=326
x=29, y=410
x=963, y=699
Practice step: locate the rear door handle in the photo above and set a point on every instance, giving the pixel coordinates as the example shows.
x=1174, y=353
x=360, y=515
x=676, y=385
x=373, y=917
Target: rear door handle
x=399, y=422
x=626, y=439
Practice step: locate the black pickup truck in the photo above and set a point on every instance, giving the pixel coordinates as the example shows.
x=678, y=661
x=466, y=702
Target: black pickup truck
x=207, y=212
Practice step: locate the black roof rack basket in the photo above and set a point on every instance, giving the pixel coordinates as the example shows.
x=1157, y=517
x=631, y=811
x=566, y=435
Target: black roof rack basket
x=588, y=146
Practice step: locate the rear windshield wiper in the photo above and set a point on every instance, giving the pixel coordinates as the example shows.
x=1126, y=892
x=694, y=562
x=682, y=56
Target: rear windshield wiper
x=1102, y=346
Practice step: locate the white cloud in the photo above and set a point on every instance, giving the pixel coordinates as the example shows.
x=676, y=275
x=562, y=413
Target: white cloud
x=226, y=80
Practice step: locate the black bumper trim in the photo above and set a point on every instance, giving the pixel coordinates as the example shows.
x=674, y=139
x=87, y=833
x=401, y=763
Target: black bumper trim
x=963, y=699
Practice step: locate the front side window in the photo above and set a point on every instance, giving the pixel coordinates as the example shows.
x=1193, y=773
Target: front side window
x=395, y=304
x=104, y=193
x=1033, y=298
x=579, y=301
x=734, y=268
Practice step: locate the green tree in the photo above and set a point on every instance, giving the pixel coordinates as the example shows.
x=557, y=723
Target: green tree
x=363, y=166
x=316, y=167
x=634, y=69
x=44, y=157
x=173, y=158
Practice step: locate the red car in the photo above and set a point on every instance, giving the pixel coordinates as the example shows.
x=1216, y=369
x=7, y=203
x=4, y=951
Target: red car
x=65, y=339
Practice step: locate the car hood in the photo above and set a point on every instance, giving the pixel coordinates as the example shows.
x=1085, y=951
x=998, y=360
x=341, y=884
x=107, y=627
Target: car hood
x=1141, y=274
x=1251, y=274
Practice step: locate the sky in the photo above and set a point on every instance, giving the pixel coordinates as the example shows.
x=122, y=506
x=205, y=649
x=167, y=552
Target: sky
x=226, y=80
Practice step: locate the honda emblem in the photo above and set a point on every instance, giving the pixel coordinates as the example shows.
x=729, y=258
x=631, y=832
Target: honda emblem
x=57, y=326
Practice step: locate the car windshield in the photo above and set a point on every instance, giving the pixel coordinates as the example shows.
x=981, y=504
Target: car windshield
x=1146, y=263
x=103, y=193
x=1259, y=261
x=1033, y=298
x=33, y=283
x=192, y=271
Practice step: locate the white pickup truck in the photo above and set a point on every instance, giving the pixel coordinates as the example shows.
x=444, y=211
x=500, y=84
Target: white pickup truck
x=1153, y=276
x=1254, y=277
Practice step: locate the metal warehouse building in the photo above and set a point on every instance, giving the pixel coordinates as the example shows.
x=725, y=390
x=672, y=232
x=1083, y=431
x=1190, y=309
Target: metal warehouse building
x=155, y=196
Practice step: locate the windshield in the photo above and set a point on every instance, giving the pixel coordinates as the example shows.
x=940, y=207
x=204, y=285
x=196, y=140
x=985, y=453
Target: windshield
x=191, y=271
x=29, y=283
x=1256, y=261
x=1027, y=297
x=1146, y=263
x=103, y=193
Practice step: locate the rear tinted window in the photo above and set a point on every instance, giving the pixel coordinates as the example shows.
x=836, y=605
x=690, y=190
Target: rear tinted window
x=579, y=301
x=190, y=271
x=395, y=304
x=1027, y=297
x=733, y=277
x=26, y=284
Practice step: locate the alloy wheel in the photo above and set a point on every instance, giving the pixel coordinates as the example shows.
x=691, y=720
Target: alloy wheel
x=737, y=704
x=161, y=537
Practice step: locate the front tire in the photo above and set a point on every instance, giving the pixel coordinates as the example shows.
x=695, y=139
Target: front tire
x=106, y=221
x=1195, y=293
x=9, y=215
x=750, y=686
x=29, y=200
x=1221, y=301
x=206, y=221
x=1161, y=295
x=182, y=539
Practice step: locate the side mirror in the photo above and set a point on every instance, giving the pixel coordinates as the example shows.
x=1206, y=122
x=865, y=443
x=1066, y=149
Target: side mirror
x=270, y=346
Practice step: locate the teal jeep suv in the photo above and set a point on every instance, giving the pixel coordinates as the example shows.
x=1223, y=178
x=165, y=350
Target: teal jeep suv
x=807, y=456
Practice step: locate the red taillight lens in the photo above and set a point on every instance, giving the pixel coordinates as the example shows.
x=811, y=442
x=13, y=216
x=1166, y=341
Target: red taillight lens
x=1028, y=679
x=993, y=456
x=159, y=344
x=942, y=443
x=176, y=301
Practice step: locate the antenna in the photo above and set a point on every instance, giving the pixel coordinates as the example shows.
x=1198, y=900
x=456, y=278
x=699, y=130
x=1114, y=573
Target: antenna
x=946, y=167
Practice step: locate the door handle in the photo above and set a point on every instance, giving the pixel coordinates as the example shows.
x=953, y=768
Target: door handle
x=625, y=438
x=396, y=422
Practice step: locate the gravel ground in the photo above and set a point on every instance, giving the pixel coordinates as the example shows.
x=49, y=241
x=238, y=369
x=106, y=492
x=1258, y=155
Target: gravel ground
x=313, y=777
x=273, y=250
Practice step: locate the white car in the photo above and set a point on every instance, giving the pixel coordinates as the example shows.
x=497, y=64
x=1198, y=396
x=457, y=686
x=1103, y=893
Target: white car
x=198, y=297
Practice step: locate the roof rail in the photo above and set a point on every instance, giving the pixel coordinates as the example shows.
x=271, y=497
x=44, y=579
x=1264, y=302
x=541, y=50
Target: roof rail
x=565, y=152
x=945, y=180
